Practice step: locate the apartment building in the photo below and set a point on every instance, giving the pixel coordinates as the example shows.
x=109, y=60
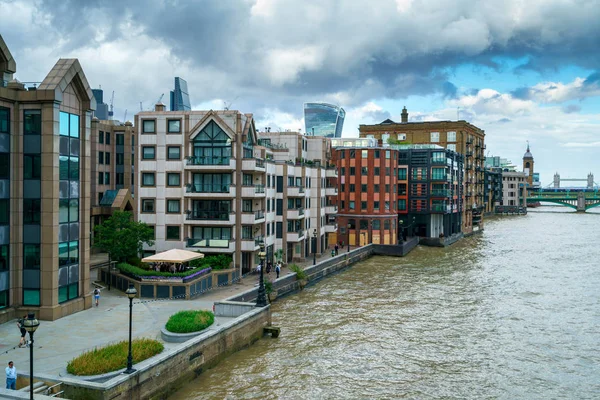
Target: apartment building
x=514, y=191
x=44, y=191
x=205, y=183
x=493, y=189
x=459, y=136
x=368, y=186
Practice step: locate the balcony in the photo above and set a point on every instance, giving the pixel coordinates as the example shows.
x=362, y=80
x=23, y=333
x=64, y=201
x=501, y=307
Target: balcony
x=440, y=193
x=253, y=164
x=209, y=191
x=330, y=228
x=330, y=209
x=295, y=213
x=214, y=217
x=295, y=236
x=212, y=163
x=253, y=191
x=295, y=191
x=331, y=191
x=443, y=178
x=440, y=208
x=258, y=215
x=211, y=243
x=251, y=244
x=331, y=172
x=438, y=161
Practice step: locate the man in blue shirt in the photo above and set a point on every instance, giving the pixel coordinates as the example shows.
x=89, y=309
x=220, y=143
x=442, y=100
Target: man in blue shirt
x=11, y=376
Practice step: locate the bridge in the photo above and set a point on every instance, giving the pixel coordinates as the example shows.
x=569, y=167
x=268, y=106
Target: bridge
x=579, y=199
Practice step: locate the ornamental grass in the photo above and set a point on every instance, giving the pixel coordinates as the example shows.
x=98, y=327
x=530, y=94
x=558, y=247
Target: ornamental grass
x=190, y=321
x=113, y=357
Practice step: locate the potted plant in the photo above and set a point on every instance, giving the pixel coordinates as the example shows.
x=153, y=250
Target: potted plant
x=271, y=292
x=301, y=275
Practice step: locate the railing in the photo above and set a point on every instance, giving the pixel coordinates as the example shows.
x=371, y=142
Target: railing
x=260, y=214
x=208, y=160
x=199, y=215
x=440, y=192
x=258, y=239
x=301, y=211
x=200, y=242
x=439, y=207
x=259, y=188
x=260, y=163
x=444, y=177
x=207, y=188
x=438, y=161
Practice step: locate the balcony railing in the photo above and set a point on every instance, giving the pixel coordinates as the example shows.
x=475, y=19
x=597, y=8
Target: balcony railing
x=301, y=211
x=207, y=188
x=260, y=214
x=439, y=208
x=200, y=215
x=440, y=192
x=260, y=163
x=259, y=188
x=207, y=160
x=200, y=242
x=438, y=161
x=258, y=239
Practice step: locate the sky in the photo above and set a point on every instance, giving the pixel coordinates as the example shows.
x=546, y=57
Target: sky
x=523, y=71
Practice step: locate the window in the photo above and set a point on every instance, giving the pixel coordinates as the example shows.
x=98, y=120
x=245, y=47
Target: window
x=107, y=178
x=148, y=206
x=69, y=124
x=31, y=256
x=173, y=153
x=435, y=137
x=31, y=211
x=352, y=188
x=107, y=158
x=101, y=137
x=100, y=157
x=401, y=204
x=402, y=173
x=173, y=126
x=387, y=171
x=32, y=125
x=377, y=154
x=173, y=232
x=173, y=179
x=376, y=206
x=377, y=171
x=376, y=188
x=363, y=205
x=451, y=147
x=107, y=137
x=364, y=170
x=364, y=154
x=363, y=187
x=148, y=153
x=100, y=178
x=120, y=139
x=451, y=136
x=100, y=196
x=148, y=179
x=364, y=224
x=351, y=204
x=120, y=159
x=32, y=166
x=386, y=224
x=376, y=224
x=246, y=231
x=352, y=171
x=148, y=126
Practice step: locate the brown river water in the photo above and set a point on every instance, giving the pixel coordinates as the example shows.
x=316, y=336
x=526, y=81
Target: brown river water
x=512, y=313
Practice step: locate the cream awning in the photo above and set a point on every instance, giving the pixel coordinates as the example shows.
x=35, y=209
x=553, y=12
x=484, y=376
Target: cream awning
x=173, y=256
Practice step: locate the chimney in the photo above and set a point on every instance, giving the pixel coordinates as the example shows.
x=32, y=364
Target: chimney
x=159, y=107
x=404, y=115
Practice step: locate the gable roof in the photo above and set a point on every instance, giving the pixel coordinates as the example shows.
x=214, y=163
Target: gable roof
x=7, y=62
x=68, y=71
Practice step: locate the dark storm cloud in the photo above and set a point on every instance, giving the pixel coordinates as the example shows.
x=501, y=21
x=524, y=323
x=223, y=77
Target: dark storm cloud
x=281, y=53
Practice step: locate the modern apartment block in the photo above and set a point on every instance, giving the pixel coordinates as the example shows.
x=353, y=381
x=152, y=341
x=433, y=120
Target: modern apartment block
x=493, y=189
x=514, y=192
x=44, y=191
x=112, y=169
x=459, y=136
x=205, y=184
x=368, y=182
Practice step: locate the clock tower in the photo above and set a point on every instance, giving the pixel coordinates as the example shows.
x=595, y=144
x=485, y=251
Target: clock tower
x=528, y=166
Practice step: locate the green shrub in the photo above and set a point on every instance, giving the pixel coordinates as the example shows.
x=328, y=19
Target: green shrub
x=113, y=357
x=136, y=262
x=300, y=273
x=136, y=272
x=268, y=286
x=190, y=321
x=216, y=262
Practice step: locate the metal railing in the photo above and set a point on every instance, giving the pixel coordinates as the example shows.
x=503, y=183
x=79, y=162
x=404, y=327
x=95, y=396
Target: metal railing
x=208, y=160
x=260, y=214
x=440, y=192
x=259, y=188
x=200, y=242
x=201, y=215
x=207, y=188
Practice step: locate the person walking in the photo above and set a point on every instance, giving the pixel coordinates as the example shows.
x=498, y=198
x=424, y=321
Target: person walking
x=97, y=296
x=11, y=376
x=21, y=326
x=278, y=269
x=336, y=249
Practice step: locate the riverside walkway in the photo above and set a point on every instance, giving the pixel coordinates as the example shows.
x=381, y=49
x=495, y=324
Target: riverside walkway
x=58, y=342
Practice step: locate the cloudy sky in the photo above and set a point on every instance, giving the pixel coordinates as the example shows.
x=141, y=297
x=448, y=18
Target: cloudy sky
x=519, y=69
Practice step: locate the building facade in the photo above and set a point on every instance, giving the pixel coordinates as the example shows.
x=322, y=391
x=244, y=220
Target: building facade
x=528, y=166
x=493, y=189
x=44, y=191
x=180, y=98
x=459, y=136
x=322, y=119
x=514, y=192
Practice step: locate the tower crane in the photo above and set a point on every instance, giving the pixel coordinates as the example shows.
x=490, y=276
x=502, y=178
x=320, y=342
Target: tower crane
x=160, y=98
x=112, y=100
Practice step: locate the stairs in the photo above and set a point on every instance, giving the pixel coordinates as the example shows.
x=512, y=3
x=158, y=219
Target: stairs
x=42, y=388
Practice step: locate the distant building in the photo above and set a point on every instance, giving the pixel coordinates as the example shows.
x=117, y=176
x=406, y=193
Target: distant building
x=101, y=111
x=180, y=98
x=492, y=195
x=514, y=193
x=322, y=119
x=528, y=166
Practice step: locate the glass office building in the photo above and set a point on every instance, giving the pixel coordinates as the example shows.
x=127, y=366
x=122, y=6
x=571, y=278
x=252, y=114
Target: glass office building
x=322, y=119
x=180, y=99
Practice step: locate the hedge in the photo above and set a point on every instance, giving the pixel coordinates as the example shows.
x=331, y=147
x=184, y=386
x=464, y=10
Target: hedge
x=136, y=272
x=190, y=321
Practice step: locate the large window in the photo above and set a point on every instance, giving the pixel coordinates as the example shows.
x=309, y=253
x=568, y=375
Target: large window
x=402, y=174
x=210, y=209
x=211, y=232
x=210, y=183
x=212, y=146
x=172, y=232
x=451, y=136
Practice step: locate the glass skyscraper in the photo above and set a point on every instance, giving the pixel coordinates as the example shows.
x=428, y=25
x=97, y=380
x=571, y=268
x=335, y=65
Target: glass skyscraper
x=322, y=119
x=180, y=99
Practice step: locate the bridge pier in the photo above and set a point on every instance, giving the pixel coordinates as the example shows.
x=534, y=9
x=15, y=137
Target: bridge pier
x=580, y=202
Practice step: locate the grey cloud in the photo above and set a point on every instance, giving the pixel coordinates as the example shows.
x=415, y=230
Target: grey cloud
x=571, y=108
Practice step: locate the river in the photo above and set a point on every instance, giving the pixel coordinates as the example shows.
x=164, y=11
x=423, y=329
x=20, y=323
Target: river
x=512, y=313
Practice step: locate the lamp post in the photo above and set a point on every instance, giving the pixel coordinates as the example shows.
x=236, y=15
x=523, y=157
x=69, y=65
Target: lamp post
x=349, y=237
x=130, y=292
x=314, y=246
x=401, y=230
x=261, y=299
x=30, y=325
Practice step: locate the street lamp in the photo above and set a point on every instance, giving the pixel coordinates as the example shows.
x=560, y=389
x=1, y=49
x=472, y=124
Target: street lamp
x=30, y=325
x=261, y=299
x=314, y=246
x=130, y=292
x=349, y=236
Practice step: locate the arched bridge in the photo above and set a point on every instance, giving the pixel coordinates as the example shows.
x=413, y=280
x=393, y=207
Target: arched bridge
x=581, y=200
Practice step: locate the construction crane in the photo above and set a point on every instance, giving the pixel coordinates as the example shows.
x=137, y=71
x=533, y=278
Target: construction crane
x=112, y=99
x=160, y=98
x=125, y=117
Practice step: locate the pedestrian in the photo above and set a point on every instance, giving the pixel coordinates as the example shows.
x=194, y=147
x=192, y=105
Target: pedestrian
x=336, y=249
x=21, y=326
x=269, y=266
x=97, y=296
x=11, y=376
x=278, y=269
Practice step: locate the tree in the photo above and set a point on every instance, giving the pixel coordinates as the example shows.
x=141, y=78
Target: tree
x=122, y=237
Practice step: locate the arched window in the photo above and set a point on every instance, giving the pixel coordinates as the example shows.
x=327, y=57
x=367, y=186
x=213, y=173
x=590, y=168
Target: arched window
x=212, y=146
x=527, y=164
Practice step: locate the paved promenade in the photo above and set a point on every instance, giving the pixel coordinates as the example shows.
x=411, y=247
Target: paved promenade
x=57, y=342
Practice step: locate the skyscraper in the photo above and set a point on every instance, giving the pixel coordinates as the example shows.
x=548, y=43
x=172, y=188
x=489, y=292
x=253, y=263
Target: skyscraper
x=180, y=99
x=322, y=119
x=101, y=111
